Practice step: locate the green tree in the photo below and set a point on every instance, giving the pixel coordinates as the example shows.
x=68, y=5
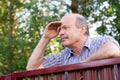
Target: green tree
x=8, y=39
x=19, y=35
x=110, y=18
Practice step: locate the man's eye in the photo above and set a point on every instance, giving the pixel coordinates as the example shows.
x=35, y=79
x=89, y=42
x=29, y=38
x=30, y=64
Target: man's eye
x=58, y=29
x=65, y=27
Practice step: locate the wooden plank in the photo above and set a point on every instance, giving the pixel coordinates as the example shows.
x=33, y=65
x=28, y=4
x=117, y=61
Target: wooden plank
x=106, y=73
x=71, y=67
x=119, y=72
x=75, y=75
x=2, y=77
x=59, y=76
x=94, y=74
x=90, y=74
x=87, y=67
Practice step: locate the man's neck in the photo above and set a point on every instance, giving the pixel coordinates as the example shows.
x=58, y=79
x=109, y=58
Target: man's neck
x=78, y=47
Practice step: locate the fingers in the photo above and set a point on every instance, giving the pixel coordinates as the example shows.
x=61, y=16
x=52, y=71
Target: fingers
x=54, y=25
x=51, y=29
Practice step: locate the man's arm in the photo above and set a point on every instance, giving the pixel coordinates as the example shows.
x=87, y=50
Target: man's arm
x=35, y=60
x=107, y=50
x=36, y=57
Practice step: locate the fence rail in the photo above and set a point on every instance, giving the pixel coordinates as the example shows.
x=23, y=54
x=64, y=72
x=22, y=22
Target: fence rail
x=107, y=69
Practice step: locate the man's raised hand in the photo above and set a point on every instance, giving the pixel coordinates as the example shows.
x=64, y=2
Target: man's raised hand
x=51, y=30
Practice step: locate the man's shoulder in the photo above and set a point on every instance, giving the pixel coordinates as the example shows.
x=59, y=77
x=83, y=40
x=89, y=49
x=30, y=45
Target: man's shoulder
x=102, y=39
x=99, y=38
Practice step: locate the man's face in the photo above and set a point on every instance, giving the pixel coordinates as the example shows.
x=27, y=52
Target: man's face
x=69, y=33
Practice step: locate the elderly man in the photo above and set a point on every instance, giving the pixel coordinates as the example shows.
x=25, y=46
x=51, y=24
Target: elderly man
x=74, y=34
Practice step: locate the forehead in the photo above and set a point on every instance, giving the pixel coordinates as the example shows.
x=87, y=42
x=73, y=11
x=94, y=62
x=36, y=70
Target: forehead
x=68, y=20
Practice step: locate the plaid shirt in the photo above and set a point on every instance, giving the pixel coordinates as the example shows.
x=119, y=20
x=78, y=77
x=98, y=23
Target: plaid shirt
x=66, y=56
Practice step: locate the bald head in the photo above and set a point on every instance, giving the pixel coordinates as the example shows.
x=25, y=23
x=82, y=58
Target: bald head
x=71, y=15
x=76, y=18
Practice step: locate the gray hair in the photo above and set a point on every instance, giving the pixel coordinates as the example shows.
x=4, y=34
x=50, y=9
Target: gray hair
x=81, y=21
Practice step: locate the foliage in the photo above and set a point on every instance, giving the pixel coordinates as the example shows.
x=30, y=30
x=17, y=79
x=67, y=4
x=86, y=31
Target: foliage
x=9, y=61
x=39, y=16
x=110, y=18
x=21, y=26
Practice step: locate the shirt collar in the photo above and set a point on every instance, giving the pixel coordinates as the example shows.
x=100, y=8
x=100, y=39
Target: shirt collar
x=86, y=45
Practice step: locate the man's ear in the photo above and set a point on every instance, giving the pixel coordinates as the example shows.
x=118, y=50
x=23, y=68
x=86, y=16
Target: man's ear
x=83, y=29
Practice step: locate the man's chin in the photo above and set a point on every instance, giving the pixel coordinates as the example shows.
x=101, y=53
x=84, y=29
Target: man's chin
x=66, y=45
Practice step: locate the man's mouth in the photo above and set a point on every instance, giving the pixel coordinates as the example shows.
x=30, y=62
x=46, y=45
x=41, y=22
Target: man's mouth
x=64, y=37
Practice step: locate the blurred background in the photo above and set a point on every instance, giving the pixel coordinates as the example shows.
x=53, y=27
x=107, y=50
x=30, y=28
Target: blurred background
x=22, y=23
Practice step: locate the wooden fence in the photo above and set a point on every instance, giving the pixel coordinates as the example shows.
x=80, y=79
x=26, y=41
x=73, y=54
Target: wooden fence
x=107, y=69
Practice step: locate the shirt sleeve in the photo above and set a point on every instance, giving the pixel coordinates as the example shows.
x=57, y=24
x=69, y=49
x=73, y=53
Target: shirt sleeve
x=109, y=38
x=98, y=41
x=54, y=60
